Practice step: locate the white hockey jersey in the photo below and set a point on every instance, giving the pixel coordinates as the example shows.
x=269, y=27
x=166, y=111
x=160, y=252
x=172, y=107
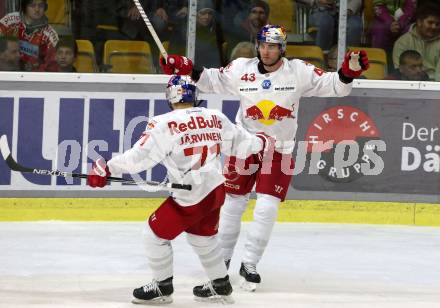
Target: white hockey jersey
x=269, y=102
x=188, y=142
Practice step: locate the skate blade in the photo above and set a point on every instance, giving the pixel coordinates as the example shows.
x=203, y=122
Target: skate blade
x=218, y=299
x=248, y=286
x=155, y=301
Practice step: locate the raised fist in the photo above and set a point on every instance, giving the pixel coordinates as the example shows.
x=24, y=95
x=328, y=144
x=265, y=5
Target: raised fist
x=176, y=64
x=97, y=177
x=355, y=62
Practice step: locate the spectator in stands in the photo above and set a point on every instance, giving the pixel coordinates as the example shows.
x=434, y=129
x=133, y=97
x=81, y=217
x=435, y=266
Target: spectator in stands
x=391, y=20
x=37, y=39
x=67, y=50
x=9, y=54
x=243, y=50
x=208, y=49
x=424, y=37
x=257, y=17
x=245, y=28
x=324, y=17
x=134, y=27
x=175, y=14
x=410, y=67
x=165, y=16
x=233, y=10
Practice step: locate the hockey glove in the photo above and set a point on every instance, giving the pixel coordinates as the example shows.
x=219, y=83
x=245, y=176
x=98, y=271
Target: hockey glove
x=176, y=64
x=268, y=146
x=99, y=173
x=355, y=62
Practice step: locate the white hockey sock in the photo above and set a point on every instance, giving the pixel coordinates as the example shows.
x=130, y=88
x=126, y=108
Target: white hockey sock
x=210, y=255
x=260, y=229
x=230, y=222
x=159, y=254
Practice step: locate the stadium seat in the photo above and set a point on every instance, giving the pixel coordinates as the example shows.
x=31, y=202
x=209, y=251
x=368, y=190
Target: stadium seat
x=85, y=60
x=282, y=13
x=310, y=53
x=128, y=57
x=378, y=62
x=58, y=12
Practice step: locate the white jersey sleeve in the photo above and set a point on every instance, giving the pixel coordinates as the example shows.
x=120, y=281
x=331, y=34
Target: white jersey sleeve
x=219, y=80
x=146, y=152
x=319, y=82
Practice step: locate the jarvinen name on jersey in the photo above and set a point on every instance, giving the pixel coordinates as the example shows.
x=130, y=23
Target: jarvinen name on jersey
x=195, y=138
x=196, y=123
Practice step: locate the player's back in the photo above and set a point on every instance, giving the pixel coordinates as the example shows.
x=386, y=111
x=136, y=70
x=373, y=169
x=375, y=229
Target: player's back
x=196, y=136
x=188, y=142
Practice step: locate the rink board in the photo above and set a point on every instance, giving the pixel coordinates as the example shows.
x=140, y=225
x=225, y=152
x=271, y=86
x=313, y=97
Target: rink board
x=64, y=121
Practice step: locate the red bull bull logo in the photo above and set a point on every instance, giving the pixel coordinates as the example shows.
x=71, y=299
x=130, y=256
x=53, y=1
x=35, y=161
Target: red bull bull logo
x=267, y=112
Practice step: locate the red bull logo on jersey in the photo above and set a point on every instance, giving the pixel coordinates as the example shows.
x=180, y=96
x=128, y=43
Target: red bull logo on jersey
x=267, y=112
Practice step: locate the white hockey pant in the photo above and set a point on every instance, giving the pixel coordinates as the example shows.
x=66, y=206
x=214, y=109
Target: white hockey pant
x=210, y=254
x=230, y=222
x=159, y=254
x=260, y=229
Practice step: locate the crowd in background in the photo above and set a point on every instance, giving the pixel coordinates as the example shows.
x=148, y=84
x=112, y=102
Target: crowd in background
x=407, y=30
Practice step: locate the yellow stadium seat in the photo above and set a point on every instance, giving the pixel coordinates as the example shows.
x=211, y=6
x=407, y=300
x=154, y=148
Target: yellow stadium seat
x=310, y=53
x=282, y=12
x=378, y=62
x=58, y=12
x=85, y=59
x=128, y=57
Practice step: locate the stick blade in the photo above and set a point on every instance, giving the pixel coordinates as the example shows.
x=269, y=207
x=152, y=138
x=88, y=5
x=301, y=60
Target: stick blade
x=4, y=147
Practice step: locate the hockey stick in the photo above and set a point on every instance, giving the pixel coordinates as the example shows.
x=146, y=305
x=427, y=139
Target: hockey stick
x=151, y=29
x=13, y=165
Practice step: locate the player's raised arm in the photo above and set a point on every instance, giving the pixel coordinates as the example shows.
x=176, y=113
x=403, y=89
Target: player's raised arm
x=327, y=84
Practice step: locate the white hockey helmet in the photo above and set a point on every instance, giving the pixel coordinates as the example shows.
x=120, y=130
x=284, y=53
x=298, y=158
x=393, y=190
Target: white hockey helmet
x=273, y=34
x=181, y=89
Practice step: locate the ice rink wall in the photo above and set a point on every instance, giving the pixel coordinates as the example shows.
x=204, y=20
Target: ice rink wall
x=63, y=121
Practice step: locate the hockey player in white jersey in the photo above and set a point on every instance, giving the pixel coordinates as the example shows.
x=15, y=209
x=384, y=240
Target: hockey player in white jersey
x=188, y=142
x=269, y=87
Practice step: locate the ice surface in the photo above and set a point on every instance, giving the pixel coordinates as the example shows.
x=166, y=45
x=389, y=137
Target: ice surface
x=65, y=264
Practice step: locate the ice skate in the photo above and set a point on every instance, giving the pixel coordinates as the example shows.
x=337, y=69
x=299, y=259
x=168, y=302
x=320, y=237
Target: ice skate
x=154, y=293
x=216, y=291
x=250, y=276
